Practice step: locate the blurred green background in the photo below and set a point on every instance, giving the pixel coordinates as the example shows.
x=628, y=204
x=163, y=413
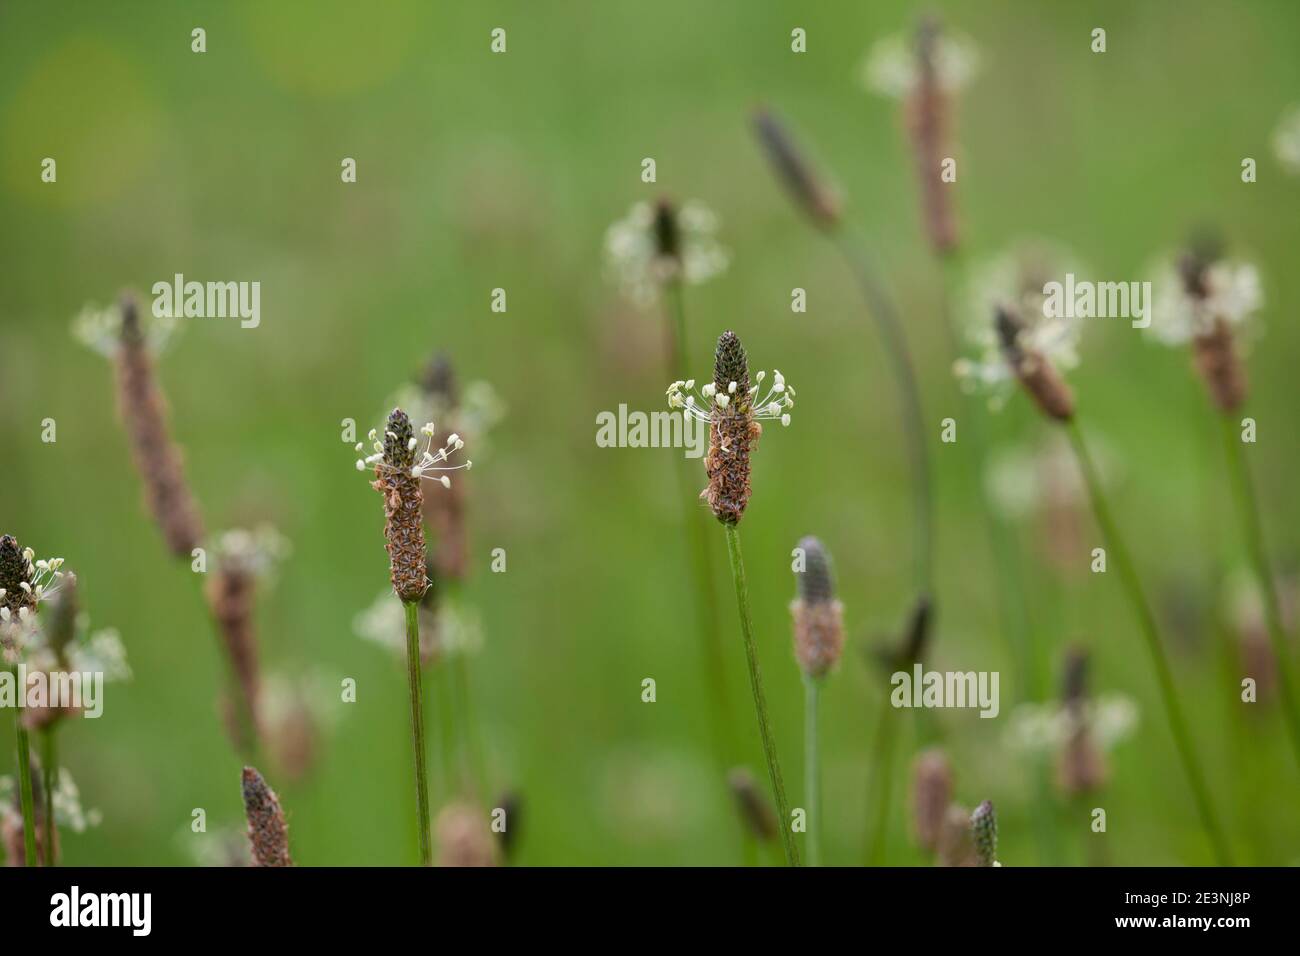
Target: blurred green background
x=478, y=171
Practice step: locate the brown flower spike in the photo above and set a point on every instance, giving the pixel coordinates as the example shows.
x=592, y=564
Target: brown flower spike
x=268, y=833
x=818, y=616
x=1037, y=375
x=732, y=409
x=143, y=411
x=927, y=123
x=733, y=432
x=403, y=501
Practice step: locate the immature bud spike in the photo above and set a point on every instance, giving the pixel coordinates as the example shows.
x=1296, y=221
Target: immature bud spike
x=14, y=573
x=1037, y=375
x=927, y=113
x=814, y=583
x=795, y=171
x=755, y=811
x=818, y=617
x=668, y=236
x=931, y=796
x=984, y=825
x=268, y=834
x=143, y=411
x=403, y=501
x=732, y=433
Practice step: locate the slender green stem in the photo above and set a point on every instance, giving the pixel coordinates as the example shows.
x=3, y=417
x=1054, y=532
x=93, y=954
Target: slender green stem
x=882, y=310
x=26, y=803
x=812, y=783
x=1248, y=509
x=880, y=789
x=760, y=699
x=1132, y=584
x=50, y=770
x=417, y=729
x=694, y=518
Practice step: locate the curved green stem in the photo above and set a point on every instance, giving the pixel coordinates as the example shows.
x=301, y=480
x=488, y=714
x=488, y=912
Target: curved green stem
x=1248, y=509
x=50, y=769
x=417, y=730
x=1147, y=624
x=760, y=699
x=812, y=770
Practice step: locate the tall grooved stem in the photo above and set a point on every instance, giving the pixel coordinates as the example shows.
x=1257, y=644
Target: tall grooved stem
x=1147, y=623
x=417, y=729
x=812, y=770
x=1248, y=509
x=760, y=699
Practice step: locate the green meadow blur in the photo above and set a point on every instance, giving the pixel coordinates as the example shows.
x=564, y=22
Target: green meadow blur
x=478, y=171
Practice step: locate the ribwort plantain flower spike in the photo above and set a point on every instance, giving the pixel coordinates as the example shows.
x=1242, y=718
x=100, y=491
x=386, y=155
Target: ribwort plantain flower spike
x=1209, y=302
x=143, y=410
x=268, y=833
x=399, y=465
x=733, y=409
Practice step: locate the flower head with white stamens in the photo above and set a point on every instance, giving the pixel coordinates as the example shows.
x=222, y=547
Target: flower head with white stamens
x=656, y=243
x=699, y=403
x=1193, y=293
x=1014, y=283
x=733, y=409
x=25, y=582
x=100, y=329
x=387, y=458
x=892, y=67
